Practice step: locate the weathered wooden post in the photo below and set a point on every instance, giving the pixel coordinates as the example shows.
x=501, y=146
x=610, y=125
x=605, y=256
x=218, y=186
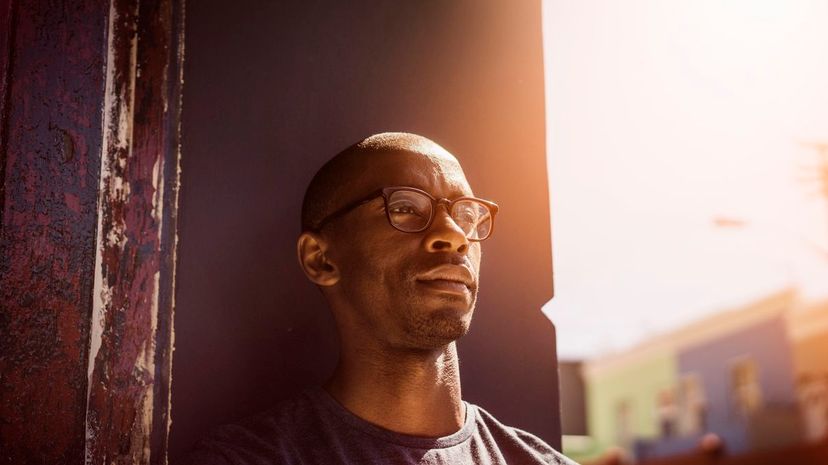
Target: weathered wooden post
x=89, y=163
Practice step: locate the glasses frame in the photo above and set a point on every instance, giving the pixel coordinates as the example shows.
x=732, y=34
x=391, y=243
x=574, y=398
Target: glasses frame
x=386, y=192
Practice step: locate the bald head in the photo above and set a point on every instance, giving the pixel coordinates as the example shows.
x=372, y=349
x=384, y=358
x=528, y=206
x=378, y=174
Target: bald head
x=375, y=275
x=359, y=168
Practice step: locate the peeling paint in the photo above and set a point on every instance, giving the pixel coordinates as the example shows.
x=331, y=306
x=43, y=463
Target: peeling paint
x=157, y=199
x=88, y=205
x=134, y=281
x=51, y=77
x=147, y=362
x=116, y=236
x=101, y=298
x=120, y=187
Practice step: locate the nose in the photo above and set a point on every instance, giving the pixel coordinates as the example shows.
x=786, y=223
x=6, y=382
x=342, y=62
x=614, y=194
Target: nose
x=444, y=235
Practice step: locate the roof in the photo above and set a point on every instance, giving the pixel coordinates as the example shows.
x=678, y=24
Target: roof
x=711, y=327
x=808, y=320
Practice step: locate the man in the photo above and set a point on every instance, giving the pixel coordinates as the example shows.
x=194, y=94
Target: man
x=391, y=235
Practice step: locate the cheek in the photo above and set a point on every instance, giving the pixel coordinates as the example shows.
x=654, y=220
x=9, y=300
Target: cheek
x=371, y=262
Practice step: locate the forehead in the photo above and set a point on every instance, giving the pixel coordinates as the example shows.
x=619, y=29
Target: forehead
x=440, y=174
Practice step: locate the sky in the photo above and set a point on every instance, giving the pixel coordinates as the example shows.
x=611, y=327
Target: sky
x=682, y=182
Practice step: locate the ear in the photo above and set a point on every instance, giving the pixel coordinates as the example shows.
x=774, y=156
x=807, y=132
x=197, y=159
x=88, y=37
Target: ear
x=310, y=248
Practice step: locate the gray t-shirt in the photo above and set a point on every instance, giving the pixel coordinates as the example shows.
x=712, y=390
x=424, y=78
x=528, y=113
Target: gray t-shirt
x=313, y=428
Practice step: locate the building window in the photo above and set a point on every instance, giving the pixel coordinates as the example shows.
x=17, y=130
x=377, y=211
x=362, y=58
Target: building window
x=813, y=401
x=745, y=390
x=692, y=405
x=624, y=423
x=667, y=412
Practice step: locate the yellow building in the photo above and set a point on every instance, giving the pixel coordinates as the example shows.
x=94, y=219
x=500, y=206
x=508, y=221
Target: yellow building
x=808, y=331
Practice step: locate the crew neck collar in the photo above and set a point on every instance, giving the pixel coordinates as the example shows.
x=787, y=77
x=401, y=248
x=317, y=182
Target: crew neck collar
x=417, y=442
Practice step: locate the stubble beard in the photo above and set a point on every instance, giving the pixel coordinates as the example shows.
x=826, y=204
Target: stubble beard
x=428, y=325
x=407, y=318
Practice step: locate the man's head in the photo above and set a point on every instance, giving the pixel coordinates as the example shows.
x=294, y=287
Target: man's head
x=391, y=276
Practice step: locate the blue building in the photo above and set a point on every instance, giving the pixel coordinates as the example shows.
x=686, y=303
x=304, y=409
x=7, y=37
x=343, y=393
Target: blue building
x=735, y=379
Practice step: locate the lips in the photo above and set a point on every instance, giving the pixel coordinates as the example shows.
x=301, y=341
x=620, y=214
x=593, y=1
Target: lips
x=451, y=278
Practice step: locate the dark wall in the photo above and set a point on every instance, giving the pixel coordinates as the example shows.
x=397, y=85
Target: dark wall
x=573, y=398
x=272, y=91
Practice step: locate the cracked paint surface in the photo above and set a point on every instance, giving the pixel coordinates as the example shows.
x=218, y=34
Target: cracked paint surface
x=50, y=141
x=89, y=164
x=136, y=251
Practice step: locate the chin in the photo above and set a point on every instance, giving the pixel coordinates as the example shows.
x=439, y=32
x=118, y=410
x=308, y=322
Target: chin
x=440, y=327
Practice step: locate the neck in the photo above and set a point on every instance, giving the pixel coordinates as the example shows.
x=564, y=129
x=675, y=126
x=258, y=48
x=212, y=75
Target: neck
x=409, y=392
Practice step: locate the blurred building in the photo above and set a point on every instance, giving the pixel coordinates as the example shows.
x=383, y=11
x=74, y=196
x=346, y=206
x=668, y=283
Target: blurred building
x=576, y=443
x=756, y=376
x=573, y=401
x=808, y=330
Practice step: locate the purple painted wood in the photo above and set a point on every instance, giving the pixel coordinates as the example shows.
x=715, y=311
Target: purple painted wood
x=129, y=396
x=6, y=34
x=88, y=228
x=51, y=141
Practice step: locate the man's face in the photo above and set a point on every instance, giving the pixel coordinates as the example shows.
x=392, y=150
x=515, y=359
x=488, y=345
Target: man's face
x=406, y=289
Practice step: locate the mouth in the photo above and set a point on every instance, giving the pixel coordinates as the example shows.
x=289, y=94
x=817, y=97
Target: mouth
x=455, y=279
x=445, y=285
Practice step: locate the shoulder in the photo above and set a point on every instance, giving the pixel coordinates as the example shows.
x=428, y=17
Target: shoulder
x=258, y=439
x=516, y=442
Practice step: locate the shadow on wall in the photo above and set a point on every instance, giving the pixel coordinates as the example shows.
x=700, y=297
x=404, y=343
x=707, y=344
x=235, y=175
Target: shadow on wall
x=272, y=91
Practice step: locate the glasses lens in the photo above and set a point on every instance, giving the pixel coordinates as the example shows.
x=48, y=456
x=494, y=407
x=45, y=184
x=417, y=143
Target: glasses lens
x=473, y=217
x=408, y=210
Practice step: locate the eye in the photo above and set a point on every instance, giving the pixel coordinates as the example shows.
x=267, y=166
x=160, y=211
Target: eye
x=466, y=215
x=404, y=209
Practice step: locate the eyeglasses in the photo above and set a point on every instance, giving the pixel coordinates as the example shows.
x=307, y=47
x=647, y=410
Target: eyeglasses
x=412, y=210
